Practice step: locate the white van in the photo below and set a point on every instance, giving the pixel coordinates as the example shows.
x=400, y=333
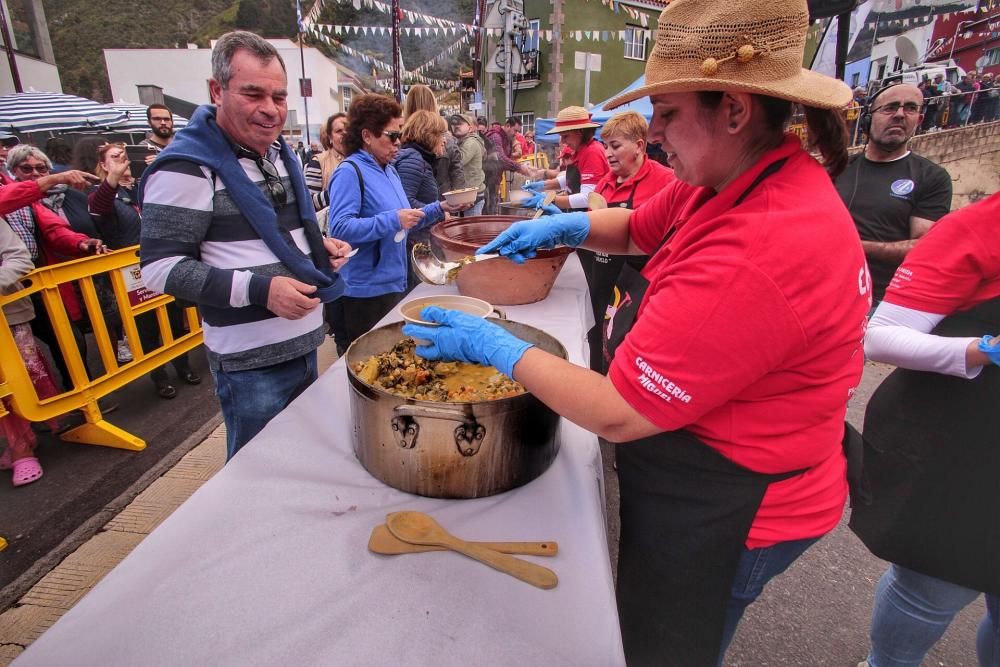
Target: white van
x=914, y=75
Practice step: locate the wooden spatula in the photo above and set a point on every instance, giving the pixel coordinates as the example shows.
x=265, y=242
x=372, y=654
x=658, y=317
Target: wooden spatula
x=384, y=542
x=418, y=528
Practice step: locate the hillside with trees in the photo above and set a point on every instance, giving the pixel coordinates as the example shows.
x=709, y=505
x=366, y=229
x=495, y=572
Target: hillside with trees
x=80, y=29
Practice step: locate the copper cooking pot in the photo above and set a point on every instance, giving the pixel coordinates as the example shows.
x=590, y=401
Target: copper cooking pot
x=500, y=282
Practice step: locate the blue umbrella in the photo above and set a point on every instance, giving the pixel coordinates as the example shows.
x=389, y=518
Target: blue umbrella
x=136, y=118
x=599, y=114
x=50, y=112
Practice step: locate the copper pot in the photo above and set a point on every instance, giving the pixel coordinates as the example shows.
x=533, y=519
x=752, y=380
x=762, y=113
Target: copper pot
x=450, y=450
x=500, y=282
x=515, y=210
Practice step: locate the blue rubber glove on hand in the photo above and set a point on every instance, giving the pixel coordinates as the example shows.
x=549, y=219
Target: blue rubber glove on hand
x=990, y=349
x=520, y=241
x=534, y=201
x=534, y=186
x=466, y=338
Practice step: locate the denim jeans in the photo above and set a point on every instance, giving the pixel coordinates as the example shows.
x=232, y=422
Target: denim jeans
x=251, y=398
x=913, y=610
x=477, y=208
x=756, y=568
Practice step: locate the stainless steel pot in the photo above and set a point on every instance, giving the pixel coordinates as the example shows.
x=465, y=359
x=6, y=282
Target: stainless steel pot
x=450, y=450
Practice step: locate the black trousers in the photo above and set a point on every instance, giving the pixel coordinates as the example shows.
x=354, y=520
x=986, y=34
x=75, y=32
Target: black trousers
x=363, y=313
x=149, y=337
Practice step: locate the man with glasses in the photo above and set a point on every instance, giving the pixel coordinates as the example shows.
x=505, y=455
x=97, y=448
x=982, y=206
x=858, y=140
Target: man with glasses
x=228, y=224
x=893, y=194
x=161, y=122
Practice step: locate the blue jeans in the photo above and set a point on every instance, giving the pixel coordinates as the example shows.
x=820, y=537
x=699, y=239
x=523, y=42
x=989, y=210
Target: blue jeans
x=913, y=610
x=756, y=568
x=251, y=398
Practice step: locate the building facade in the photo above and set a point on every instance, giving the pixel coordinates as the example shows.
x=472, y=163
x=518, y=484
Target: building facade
x=185, y=73
x=574, y=52
x=33, y=56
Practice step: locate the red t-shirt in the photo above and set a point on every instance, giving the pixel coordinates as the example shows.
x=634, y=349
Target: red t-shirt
x=649, y=180
x=750, y=333
x=592, y=163
x=955, y=266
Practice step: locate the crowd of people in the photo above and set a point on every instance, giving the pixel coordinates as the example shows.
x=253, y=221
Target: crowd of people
x=736, y=290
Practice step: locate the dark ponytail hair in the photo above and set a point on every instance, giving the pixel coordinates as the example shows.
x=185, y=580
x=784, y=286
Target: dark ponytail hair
x=828, y=134
x=827, y=128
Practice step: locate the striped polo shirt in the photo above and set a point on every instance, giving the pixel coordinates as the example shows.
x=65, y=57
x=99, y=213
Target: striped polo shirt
x=196, y=245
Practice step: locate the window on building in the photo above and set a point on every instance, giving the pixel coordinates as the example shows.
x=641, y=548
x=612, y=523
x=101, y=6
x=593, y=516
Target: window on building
x=897, y=65
x=527, y=122
x=347, y=95
x=992, y=57
x=21, y=17
x=528, y=41
x=855, y=79
x=635, y=42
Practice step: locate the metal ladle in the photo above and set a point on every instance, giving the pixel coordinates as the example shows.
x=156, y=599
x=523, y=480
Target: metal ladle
x=434, y=271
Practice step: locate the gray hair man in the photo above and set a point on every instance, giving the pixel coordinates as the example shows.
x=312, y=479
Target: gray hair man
x=228, y=224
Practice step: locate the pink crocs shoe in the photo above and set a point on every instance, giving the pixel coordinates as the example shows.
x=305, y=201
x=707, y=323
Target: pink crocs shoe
x=26, y=471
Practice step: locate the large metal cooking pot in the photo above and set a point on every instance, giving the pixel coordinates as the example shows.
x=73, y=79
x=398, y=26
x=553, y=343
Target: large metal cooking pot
x=450, y=450
x=515, y=210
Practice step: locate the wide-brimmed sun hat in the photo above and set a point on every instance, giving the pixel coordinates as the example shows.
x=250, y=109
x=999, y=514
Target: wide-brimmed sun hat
x=572, y=118
x=753, y=46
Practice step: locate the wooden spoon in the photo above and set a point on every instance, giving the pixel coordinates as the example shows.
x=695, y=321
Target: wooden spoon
x=418, y=528
x=384, y=542
x=550, y=197
x=596, y=202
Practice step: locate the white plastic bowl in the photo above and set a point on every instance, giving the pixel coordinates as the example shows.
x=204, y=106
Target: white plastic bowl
x=461, y=197
x=410, y=310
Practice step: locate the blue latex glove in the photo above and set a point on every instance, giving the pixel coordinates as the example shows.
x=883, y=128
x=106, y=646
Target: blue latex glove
x=534, y=186
x=466, y=338
x=534, y=201
x=520, y=241
x=991, y=350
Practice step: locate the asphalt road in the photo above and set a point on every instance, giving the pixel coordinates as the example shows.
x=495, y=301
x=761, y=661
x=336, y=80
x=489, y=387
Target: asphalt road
x=85, y=485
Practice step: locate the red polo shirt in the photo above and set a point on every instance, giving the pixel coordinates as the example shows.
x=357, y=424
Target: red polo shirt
x=649, y=180
x=592, y=163
x=955, y=266
x=750, y=333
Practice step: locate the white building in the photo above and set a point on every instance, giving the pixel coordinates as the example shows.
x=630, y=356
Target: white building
x=185, y=73
x=32, y=48
x=885, y=58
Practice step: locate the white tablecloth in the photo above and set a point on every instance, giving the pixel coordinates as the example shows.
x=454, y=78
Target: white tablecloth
x=267, y=563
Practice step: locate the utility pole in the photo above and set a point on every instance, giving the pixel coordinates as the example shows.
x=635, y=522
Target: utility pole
x=508, y=62
x=305, y=88
x=9, y=48
x=397, y=84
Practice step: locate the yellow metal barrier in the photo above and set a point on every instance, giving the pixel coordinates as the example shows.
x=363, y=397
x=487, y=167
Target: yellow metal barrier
x=536, y=160
x=132, y=299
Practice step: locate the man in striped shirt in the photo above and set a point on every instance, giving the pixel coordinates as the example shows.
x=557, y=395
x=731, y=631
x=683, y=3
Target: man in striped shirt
x=228, y=224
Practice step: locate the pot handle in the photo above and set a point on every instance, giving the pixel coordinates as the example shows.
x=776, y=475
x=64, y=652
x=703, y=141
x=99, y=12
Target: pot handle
x=500, y=314
x=469, y=434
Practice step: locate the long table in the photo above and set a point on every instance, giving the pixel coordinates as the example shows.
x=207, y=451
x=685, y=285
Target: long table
x=267, y=562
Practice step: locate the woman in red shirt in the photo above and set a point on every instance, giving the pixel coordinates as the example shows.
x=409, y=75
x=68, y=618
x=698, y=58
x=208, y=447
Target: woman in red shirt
x=586, y=168
x=633, y=180
x=737, y=347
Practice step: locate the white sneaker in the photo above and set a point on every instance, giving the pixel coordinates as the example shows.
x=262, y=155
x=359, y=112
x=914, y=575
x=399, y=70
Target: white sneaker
x=124, y=351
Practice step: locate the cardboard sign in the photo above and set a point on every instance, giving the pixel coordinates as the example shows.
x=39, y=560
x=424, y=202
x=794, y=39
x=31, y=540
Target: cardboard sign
x=137, y=291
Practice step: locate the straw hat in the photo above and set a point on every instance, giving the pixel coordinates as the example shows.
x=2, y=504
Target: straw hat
x=753, y=46
x=572, y=118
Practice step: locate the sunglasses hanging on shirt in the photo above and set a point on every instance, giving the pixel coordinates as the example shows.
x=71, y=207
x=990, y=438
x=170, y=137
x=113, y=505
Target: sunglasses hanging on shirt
x=272, y=180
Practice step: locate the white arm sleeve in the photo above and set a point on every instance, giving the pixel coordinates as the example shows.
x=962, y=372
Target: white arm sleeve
x=579, y=199
x=561, y=177
x=901, y=336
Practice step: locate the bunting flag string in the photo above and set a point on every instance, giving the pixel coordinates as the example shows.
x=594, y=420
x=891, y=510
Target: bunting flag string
x=443, y=55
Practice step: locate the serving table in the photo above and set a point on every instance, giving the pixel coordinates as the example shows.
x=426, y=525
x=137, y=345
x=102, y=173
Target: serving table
x=267, y=563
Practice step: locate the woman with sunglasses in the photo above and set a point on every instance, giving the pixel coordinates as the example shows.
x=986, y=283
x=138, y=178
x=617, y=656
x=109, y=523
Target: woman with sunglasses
x=370, y=210
x=49, y=239
x=116, y=213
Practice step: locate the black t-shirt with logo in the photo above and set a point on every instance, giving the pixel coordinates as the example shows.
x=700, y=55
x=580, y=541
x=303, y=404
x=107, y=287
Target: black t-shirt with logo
x=883, y=196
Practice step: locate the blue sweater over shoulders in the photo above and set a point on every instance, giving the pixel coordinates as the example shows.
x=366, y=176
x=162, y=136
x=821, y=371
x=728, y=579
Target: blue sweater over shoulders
x=381, y=265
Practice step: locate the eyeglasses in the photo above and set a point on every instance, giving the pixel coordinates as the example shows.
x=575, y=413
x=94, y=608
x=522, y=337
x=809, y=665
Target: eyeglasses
x=272, y=180
x=889, y=109
x=393, y=136
x=38, y=169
